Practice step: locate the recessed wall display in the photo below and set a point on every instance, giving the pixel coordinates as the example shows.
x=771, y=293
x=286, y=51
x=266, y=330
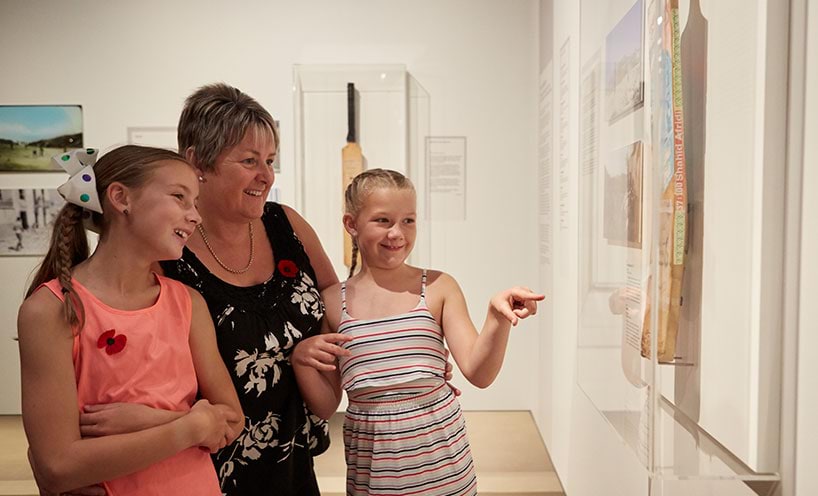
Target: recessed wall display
x=31, y=134
x=624, y=83
x=622, y=218
x=26, y=220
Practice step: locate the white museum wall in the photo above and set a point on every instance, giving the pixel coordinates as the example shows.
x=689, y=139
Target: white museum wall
x=806, y=480
x=131, y=65
x=587, y=453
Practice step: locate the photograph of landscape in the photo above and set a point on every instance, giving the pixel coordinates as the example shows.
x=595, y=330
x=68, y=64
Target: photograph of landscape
x=31, y=134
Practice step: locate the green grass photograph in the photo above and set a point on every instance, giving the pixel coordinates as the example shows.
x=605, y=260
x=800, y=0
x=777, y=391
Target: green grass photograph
x=31, y=134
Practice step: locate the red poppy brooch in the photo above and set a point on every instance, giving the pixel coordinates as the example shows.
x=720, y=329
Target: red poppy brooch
x=112, y=342
x=288, y=268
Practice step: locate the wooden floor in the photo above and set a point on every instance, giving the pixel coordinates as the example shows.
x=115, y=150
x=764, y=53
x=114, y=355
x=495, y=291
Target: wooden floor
x=508, y=454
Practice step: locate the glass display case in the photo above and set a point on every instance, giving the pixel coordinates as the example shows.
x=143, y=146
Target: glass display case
x=392, y=121
x=678, y=340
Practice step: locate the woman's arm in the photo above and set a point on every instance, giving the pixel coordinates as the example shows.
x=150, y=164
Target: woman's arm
x=214, y=379
x=480, y=356
x=64, y=460
x=324, y=271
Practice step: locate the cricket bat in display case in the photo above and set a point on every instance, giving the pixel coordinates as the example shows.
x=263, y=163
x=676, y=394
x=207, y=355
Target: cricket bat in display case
x=352, y=163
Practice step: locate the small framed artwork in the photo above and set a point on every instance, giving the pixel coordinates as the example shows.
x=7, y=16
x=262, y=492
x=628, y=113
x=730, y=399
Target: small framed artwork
x=158, y=136
x=26, y=220
x=624, y=80
x=31, y=134
x=622, y=218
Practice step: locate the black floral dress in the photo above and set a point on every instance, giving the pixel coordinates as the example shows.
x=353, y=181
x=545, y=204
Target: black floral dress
x=256, y=329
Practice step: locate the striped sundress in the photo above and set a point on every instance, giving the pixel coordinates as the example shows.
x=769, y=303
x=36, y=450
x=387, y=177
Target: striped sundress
x=404, y=432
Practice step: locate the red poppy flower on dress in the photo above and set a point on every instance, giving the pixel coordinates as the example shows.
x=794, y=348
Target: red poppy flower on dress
x=111, y=342
x=288, y=268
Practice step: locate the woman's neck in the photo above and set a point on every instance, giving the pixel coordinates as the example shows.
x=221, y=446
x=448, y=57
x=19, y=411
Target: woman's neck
x=222, y=228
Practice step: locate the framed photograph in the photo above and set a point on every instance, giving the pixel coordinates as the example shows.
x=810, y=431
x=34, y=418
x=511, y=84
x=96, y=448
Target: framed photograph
x=31, y=134
x=622, y=218
x=159, y=136
x=26, y=220
x=624, y=80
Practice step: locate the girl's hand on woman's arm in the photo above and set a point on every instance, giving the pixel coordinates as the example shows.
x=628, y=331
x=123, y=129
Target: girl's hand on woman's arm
x=316, y=372
x=320, y=351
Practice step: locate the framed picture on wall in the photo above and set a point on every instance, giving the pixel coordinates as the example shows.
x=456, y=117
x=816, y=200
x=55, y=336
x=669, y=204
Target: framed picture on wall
x=624, y=80
x=158, y=136
x=26, y=220
x=31, y=134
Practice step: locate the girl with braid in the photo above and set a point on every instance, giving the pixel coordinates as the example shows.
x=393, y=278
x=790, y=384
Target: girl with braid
x=404, y=432
x=105, y=331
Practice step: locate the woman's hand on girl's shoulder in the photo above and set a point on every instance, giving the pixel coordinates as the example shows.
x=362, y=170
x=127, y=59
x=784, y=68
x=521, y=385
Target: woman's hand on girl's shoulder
x=515, y=303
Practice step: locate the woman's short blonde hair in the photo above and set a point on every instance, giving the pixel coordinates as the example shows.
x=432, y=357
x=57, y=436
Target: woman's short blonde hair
x=215, y=118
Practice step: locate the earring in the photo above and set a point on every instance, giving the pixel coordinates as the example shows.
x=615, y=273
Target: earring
x=125, y=212
x=201, y=179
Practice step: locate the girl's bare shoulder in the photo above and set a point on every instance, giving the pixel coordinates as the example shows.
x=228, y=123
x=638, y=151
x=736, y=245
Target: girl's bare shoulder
x=440, y=280
x=41, y=312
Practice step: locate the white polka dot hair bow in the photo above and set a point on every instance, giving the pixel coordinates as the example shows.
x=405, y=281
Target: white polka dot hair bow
x=81, y=187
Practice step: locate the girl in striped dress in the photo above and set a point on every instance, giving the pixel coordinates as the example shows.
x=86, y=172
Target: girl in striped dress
x=404, y=432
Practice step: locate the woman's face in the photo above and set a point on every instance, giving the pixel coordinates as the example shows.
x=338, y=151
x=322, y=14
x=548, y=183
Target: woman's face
x=242, y=177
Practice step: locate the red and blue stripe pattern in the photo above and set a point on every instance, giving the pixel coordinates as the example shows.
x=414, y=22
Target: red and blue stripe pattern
x=404, y=432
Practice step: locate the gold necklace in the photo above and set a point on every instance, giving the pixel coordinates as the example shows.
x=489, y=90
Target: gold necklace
x=200, y=227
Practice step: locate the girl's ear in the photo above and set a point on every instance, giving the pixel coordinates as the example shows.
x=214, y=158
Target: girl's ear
x=349, y=225
x=119, y=196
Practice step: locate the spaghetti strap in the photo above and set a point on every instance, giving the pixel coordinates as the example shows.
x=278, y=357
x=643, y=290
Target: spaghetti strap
x=423, y=287
x=344, y=297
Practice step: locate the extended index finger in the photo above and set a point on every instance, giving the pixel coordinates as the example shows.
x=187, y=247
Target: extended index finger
x=526, y=294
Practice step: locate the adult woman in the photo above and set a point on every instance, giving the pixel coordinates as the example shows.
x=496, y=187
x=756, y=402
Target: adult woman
x=260, y=268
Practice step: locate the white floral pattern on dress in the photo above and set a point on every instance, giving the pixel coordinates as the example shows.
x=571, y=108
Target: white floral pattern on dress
x=305, y=295
x=256, y=365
